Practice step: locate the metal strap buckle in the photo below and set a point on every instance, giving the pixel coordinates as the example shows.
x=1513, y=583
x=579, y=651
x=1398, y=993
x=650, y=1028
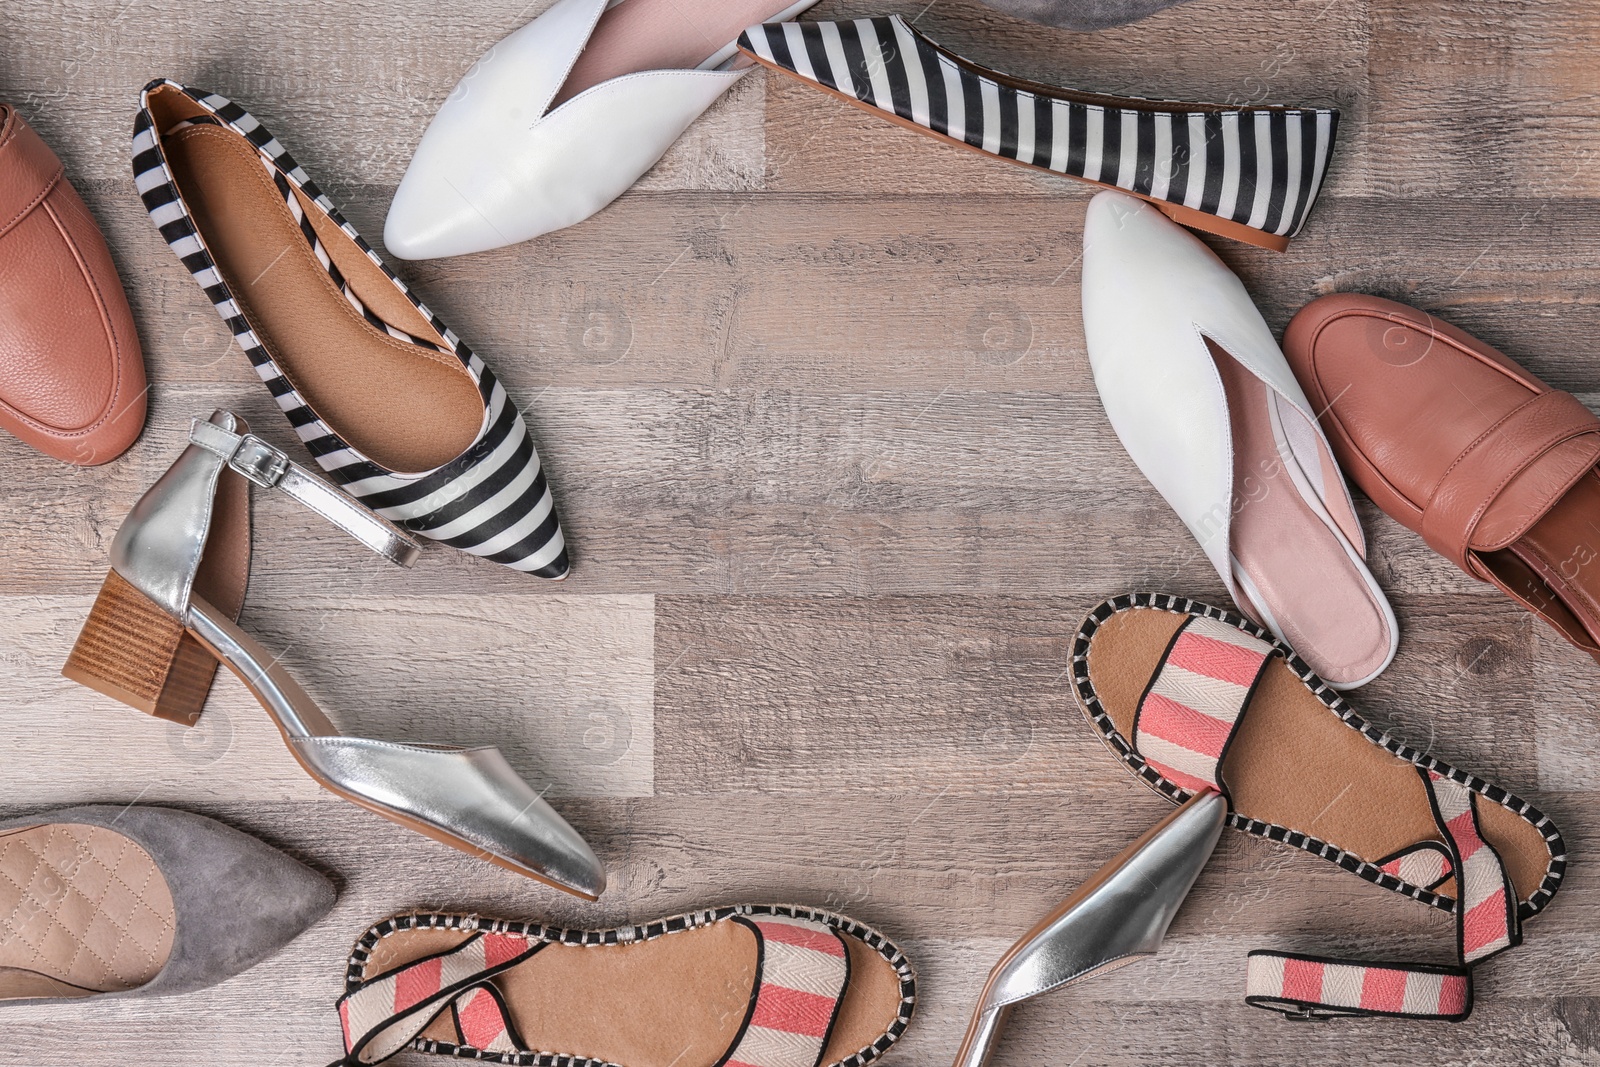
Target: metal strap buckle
x=258, y=461
x=1304, y=1012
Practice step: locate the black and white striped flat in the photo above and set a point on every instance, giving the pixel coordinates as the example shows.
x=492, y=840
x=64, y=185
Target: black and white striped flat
x=395, y=408
x=1248, y=173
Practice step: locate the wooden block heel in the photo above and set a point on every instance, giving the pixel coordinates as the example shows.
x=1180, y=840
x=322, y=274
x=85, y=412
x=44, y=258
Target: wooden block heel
x=185, y=546
x=132, y=651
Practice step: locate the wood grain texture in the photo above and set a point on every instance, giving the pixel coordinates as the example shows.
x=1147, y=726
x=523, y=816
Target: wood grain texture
x=815, y=403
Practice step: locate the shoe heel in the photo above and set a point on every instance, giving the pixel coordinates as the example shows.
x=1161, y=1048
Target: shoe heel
x=132, y=651
x=1234, y=231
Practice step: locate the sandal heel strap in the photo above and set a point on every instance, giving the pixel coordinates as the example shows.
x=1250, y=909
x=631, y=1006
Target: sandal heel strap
x=383, y=1016
x=1312, y=987
x=268, y=467
x=1315, y=987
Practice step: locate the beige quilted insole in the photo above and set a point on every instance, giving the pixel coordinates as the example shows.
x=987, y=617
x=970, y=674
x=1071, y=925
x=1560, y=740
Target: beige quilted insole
x=83, y=910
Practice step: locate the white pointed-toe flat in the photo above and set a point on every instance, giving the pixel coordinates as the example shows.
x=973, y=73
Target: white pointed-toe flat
x=563, y=116
x=1202, y=398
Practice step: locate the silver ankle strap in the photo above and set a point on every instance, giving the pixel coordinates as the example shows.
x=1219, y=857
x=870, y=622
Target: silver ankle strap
x=269, y=468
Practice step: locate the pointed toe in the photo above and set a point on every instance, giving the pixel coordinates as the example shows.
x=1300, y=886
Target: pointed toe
x=431, y=218
x=468, y=798
x=553, y=851
x=558, y=569
x=226, y=900
x=1121, y=233
x=527, y=834
x=238, y=901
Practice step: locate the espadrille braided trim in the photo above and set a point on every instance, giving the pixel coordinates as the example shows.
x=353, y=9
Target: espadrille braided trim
x=1331, y=699
x=622, y=935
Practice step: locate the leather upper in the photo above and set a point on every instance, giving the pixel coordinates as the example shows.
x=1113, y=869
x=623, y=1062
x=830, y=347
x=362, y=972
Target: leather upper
x=1444, y=433
x=1201, y=397
x=470, y=793
x=169, y=545
x=1152, y=294
x=72, y=379
x=496, y=167
x=186, y=547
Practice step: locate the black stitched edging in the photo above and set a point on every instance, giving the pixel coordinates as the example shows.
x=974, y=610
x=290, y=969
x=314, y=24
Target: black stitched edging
x=1537, y=901
x=880, y=944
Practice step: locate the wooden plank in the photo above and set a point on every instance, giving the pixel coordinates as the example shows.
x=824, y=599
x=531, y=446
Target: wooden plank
x=850, y=292
x=757, y=494
x=1481, y=102
x=357, y=120
x=561, y=684
x=770, y=695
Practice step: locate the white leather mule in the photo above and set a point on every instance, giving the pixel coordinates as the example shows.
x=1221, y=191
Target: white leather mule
x=564, y=115
x=1203, y=400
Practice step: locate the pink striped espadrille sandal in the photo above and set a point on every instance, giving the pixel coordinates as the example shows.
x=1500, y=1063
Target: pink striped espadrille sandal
x=751, y=985
x=1192, y=697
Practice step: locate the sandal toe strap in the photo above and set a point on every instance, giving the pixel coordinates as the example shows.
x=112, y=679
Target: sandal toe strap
x=383, y=1016
x=482, y=1021
x=1195, y=700
x=804, y=971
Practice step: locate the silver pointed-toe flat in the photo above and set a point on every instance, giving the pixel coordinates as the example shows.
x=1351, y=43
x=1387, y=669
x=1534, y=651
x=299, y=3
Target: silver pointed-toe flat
x=1118, y=916
x=108, y=901
x=166, y=616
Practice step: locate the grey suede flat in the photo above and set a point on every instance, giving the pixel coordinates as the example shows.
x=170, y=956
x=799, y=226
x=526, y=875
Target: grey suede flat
x=1082, y=15
x=106, y=901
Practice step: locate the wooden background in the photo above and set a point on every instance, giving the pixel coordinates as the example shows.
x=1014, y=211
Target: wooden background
x=815, y=406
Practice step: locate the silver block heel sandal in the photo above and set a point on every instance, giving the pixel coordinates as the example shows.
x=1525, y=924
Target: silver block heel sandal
x=166, y=616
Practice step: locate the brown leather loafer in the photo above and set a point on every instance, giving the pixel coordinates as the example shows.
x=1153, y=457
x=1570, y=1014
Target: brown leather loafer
x=1492, y=467
x=71, y=374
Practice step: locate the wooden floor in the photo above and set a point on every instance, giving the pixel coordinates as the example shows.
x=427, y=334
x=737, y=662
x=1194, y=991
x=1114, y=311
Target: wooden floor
x=815, y=405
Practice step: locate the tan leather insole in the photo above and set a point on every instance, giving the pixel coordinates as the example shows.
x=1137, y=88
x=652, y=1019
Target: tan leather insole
x=83, y=910
x=641, y=35
x=1563, y=550
x=403, y=406
x=1314, y=592
x=1293, y=762
x=674, y=1001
